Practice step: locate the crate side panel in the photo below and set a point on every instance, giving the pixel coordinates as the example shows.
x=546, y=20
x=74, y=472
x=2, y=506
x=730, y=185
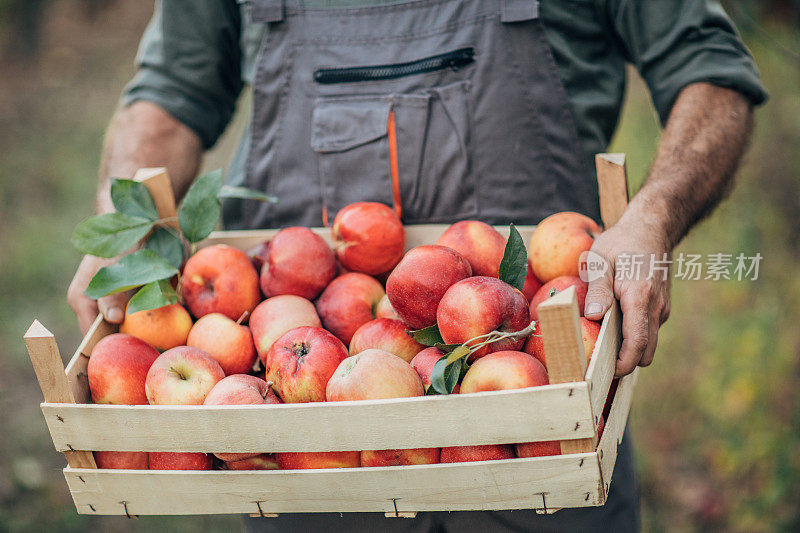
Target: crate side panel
x=601, y=369
x=615, y=426
x=551, y=412
x=567, y=481
x=77, y=376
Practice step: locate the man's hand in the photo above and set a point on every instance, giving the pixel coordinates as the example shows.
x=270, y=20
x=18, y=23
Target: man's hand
x=643, y=295
x=704, y=139
x=140, y=135
x=86, y=309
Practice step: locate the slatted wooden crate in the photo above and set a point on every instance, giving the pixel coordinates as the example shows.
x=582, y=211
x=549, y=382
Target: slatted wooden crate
x=567, y=410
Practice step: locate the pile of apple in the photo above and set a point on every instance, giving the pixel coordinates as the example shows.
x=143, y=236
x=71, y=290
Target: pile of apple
x=334, y=325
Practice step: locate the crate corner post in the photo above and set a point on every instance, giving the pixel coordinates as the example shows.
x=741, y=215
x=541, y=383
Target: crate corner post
x=49, y=369
x=612, y=184
x=566, y=357
x=158, y=183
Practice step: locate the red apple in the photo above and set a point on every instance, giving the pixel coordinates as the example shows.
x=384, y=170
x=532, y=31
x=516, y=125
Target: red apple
x=384, y=309
x=538, y=449
x=301, y=362
x=532, y=285
x=424, y=362
x=589, y=330
x=612, y=392
x=122, y=460
x=348, y=303
x=369, y=237
x=371, y=375
x=388, y=335
x=240, y=389
x=553, y=287
x=479, y=243
x=557, y=243
x=484, y=452
x=419, y=281
x=298, y=262
x=118, y=368
x=180, y=461
x=304, y=460
x=412, y=456
x=478, y=305
x=220, y=279
x=277, y=315
x=503, y=371
x=229, y=343
x=182, y=376
x=263, y=461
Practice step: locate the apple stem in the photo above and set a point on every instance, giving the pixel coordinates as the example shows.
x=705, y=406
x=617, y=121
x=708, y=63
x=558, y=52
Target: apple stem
x=241, y=318
x=495, y=336
x=175, y=371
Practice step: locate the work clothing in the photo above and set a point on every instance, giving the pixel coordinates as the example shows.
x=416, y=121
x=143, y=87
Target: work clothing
x=196, y=55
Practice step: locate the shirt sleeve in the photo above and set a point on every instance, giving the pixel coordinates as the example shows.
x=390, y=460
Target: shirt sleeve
x=189, y=63
x=674, y=43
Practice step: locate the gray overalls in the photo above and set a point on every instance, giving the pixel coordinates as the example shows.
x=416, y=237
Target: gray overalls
x=481, y=129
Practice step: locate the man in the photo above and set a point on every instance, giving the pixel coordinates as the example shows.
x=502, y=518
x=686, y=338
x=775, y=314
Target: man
x=495, y=109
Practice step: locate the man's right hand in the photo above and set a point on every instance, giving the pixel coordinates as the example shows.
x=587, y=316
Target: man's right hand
x=86, y=309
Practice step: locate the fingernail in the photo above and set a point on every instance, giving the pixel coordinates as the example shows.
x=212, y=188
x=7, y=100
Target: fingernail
x=593, y=308
x=114, y=314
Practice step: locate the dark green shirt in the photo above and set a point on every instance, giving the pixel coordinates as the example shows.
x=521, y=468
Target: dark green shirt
x=196, y=56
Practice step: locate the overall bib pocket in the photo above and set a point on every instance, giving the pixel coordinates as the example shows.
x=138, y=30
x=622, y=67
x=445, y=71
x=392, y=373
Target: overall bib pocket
x=350, y=136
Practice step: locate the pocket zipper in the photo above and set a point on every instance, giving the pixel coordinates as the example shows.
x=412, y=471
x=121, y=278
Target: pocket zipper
x=454, y=60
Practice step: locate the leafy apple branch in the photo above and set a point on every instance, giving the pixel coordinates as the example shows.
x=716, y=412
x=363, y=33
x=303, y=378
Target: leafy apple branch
x=452, y=366
x=136, y=221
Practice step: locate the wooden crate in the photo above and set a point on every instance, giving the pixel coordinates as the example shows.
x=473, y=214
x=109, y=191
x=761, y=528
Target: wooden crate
x=567, y=410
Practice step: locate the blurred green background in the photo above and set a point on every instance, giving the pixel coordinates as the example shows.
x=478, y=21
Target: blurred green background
x=716, y=418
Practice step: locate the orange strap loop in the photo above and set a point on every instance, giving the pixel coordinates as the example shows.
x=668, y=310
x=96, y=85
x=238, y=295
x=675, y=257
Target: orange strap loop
x=395, y=172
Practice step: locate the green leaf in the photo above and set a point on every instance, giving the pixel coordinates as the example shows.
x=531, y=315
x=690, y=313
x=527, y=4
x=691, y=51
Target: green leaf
x=446, y=348
x=514, y=266
x=152, y=296
x=200, y=209
x=109, y=235
x=444, y=376
x=166, y=244
x=133, y=198
x=429, y=336
x=129, y=272
x=228, y=191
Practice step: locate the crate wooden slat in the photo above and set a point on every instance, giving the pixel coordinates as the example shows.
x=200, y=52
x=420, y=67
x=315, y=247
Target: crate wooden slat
x=378, y=424
x=615, y=426
x=509, y=484
x=600, y=372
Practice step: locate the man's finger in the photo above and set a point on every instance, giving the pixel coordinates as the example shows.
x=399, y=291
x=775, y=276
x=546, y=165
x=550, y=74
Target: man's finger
x=652, y=338
x=600, y=295
x=86, y=312
x=635, y=331
x=113, y=307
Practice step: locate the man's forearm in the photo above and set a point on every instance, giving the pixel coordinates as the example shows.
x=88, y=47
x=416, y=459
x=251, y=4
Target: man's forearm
x=702, y=144
x=144, y=135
